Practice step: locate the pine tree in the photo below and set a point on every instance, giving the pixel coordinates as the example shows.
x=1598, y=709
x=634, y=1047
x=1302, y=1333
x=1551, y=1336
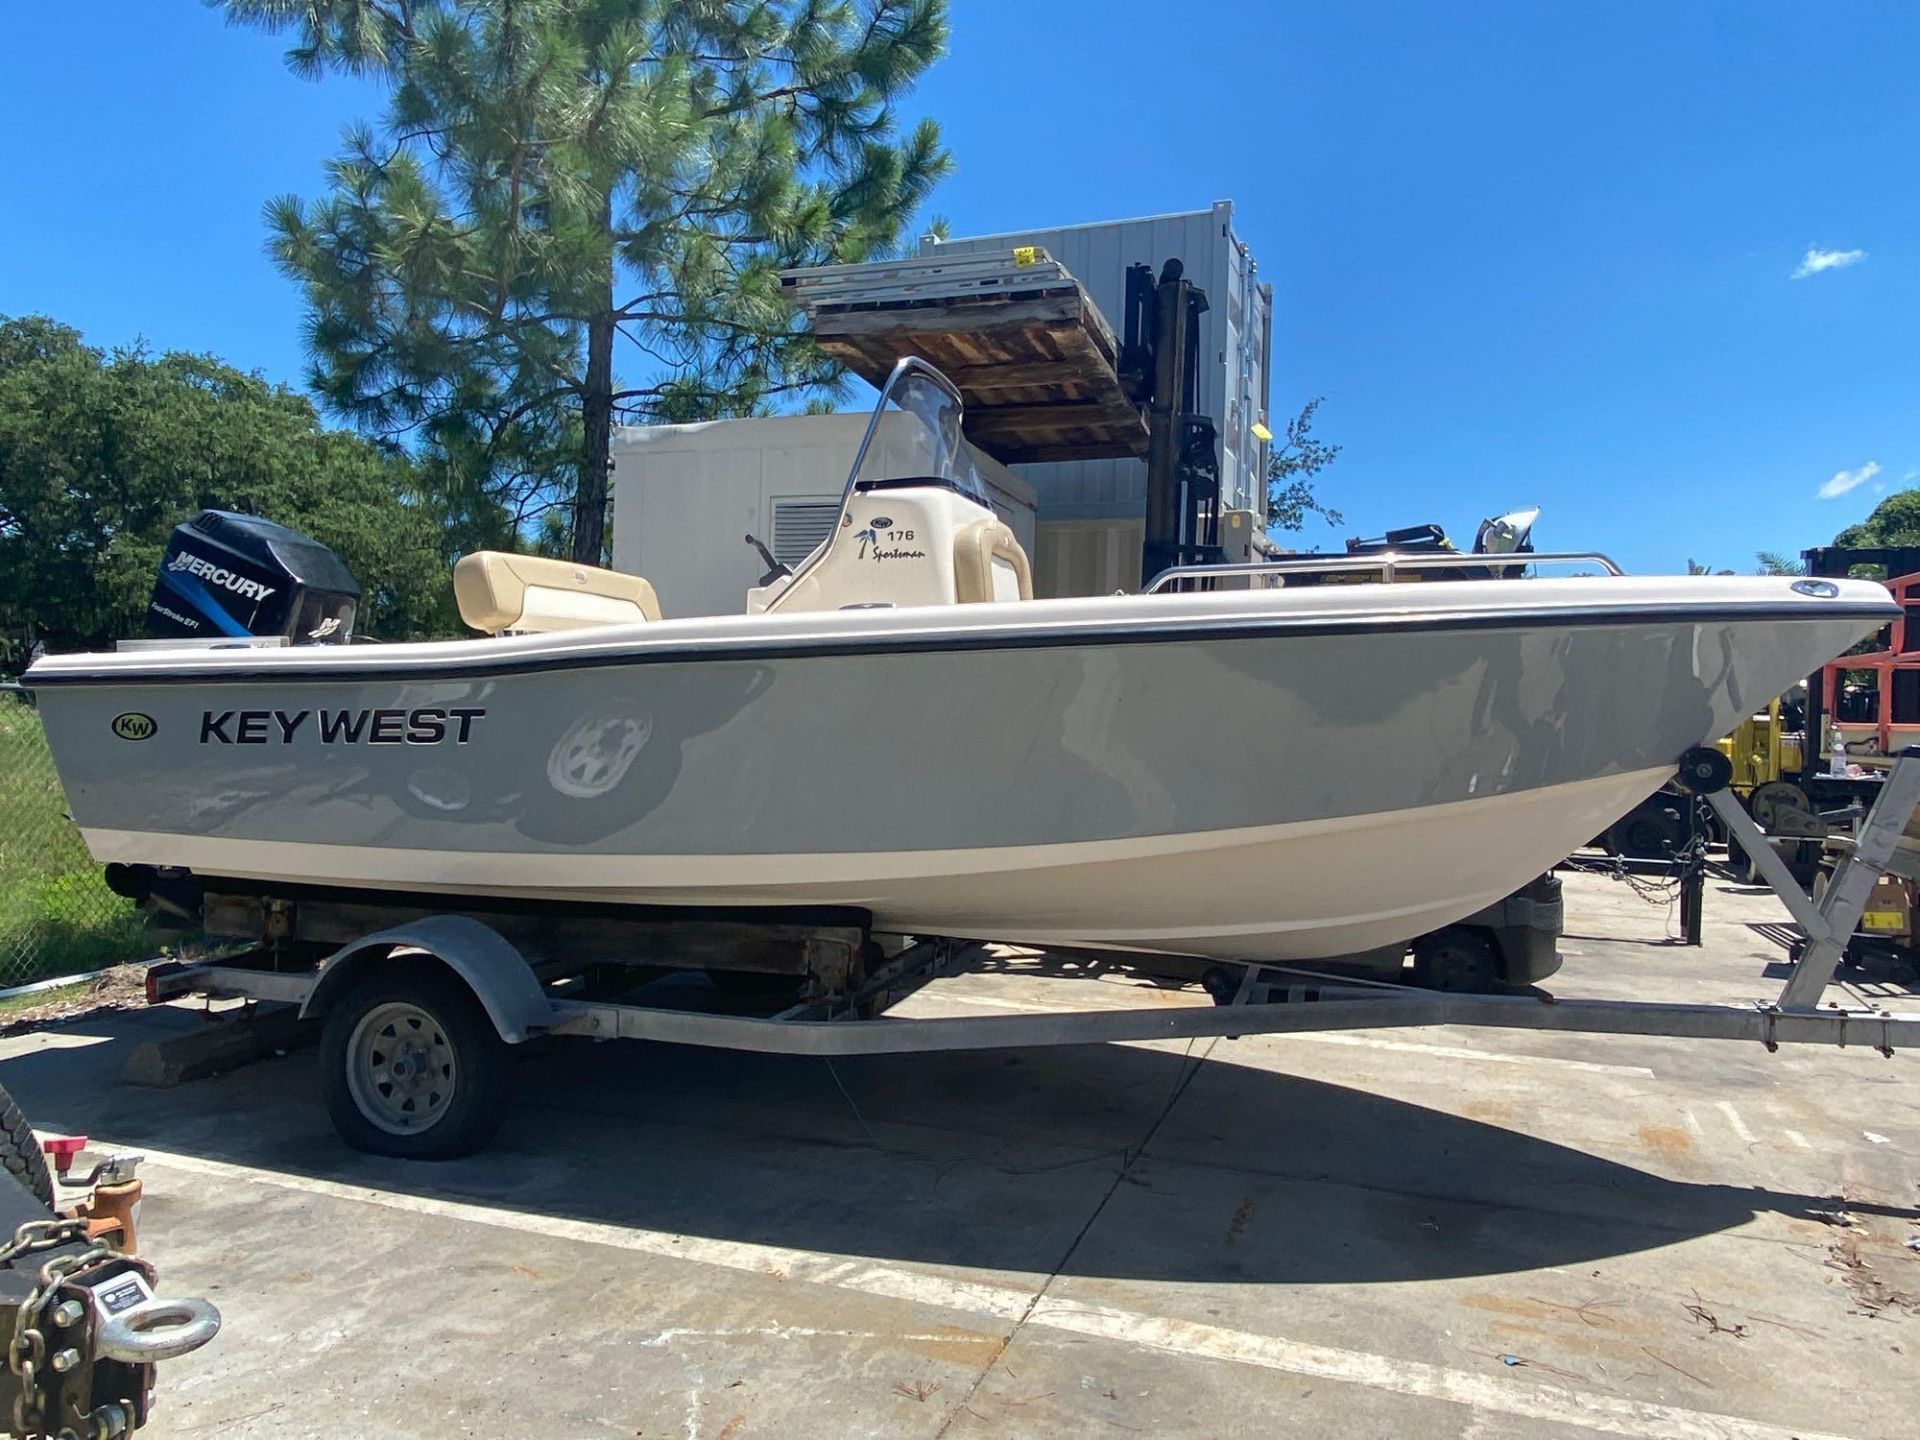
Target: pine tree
x=554, y=176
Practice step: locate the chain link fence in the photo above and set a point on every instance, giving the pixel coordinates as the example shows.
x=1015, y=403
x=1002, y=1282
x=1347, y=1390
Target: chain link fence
x=57, y=916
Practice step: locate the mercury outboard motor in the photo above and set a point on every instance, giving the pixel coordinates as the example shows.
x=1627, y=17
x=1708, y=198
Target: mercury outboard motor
x=234, y=575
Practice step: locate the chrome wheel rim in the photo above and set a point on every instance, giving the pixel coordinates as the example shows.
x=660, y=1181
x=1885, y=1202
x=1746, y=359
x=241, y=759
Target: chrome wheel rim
x=400, y=1068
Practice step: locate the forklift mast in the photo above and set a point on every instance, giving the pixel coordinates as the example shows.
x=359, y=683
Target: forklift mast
x=1160, y=365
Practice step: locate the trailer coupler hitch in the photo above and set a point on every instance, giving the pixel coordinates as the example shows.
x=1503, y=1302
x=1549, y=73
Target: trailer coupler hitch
x=81, y=1323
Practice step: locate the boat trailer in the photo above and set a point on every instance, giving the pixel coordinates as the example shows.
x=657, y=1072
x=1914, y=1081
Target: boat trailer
x=418, y=1017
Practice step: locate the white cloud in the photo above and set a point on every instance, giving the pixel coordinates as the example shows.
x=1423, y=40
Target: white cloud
x=1845, y=480
x=1817, y=260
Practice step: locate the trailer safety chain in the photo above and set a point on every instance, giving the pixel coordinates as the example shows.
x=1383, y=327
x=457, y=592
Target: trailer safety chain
x=41, y=1235
x=1661, y=891
x=27, y=1351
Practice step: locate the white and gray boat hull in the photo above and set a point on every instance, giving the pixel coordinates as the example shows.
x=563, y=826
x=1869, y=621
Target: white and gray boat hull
x=1267, y=774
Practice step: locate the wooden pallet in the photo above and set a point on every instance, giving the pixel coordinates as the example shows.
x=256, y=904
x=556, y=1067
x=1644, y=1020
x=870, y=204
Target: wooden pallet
x=1036, y=365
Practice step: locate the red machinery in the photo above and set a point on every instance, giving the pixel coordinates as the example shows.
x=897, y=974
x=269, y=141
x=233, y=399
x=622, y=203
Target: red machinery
x=1871, y=700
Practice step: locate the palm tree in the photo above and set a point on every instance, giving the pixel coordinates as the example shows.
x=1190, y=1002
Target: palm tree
x=1694, y=567
x=1775, y=562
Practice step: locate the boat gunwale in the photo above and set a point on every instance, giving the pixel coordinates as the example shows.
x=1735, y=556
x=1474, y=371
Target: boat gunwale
x=636, y=647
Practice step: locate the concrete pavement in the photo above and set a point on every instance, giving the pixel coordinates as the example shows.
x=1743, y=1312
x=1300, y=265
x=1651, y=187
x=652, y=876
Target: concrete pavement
x=1456, y=1232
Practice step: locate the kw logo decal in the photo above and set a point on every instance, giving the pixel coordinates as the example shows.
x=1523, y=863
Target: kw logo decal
x=428, y=726
x=133, y=726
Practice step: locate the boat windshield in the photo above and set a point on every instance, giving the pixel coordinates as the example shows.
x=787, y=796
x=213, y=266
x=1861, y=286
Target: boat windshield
x=914, y=437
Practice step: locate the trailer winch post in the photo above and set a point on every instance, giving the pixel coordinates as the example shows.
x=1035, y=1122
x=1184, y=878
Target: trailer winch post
x=1829, y=923
x=1693, y=877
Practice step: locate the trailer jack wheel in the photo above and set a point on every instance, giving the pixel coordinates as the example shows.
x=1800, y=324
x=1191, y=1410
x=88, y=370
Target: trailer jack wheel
x=413, y=1066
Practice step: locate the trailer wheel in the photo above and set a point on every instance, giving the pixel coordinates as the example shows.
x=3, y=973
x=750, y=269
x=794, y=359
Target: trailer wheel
x=413, y=1066
x=1459, y=959
x=20, y=1152
x=1651, y=832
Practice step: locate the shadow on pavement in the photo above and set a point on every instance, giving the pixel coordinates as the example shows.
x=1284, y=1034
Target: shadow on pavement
x=993, y=1160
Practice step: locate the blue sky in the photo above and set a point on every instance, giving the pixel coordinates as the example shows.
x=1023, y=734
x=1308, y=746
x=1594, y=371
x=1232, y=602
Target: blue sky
x=1532, y=253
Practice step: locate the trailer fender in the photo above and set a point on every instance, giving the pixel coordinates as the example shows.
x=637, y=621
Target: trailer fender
x=496, y=972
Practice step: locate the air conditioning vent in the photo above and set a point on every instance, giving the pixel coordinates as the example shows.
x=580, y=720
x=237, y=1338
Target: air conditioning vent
x=800, y=525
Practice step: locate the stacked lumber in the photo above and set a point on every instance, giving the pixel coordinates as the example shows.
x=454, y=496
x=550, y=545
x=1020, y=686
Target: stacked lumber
x=1033, y=357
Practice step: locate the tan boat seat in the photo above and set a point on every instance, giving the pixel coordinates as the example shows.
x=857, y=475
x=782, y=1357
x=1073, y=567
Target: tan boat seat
x=533, y=593
x=988, y=564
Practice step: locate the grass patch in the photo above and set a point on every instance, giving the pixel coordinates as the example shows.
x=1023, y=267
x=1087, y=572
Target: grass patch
x=57, y=916
x=12, y=1006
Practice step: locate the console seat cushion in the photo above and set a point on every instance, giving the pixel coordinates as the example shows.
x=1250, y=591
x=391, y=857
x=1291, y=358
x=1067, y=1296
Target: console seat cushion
x=497, y=591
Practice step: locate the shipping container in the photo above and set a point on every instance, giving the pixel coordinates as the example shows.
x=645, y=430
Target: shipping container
x=1098, y=557
x=1235, y=347
x=1086, y=557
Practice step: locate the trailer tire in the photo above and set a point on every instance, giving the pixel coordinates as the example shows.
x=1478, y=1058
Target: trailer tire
x=1459, y=958
x=1651, y=831
x=413, y=1066
x=20, y=1152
